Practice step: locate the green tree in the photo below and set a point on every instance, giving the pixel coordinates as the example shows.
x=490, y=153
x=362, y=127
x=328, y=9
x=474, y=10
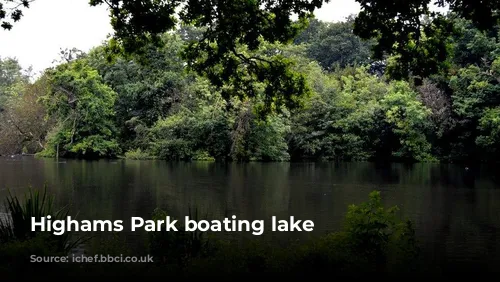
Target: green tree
x=475, y=94
x=12, y=80
x=147, y=86
x=358, y=116
x=459, y=96
x=406, y=30
x=335, y=45
x=409, y=120
x=198, y=129
x=84, y=109
x=377, y=234
x=489, y=133
x=409, y=31
x=254, y=138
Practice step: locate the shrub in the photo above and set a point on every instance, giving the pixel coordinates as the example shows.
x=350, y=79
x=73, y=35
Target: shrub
x=17, y=225
x=138, y=154
x=375, y=233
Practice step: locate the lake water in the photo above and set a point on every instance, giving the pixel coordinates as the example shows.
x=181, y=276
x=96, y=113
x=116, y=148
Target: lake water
x=456, y=211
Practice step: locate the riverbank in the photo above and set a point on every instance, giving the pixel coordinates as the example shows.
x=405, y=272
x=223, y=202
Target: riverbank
x=140, y=156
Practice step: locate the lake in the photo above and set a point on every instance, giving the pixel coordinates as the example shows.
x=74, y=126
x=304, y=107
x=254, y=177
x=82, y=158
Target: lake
x=456, y=211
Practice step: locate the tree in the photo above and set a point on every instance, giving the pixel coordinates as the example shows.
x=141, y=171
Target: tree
x=229, y=26
x=199, y=128
x=148, y=87
x=84, y=109
x=335, y=45
x=416, y=37
x=409, y=31
x=489, y=137
x=24, y=125
x=408, y=119
x=12, y=79
x=358, y=116
x=474, y=101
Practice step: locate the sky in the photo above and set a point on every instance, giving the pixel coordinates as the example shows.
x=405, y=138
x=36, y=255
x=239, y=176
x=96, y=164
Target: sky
x=49, y=25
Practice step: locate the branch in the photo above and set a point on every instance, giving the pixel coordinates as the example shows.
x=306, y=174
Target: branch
x=73, y=131
x=250, y=60
x=40, y=144
x=12, y=9
x=70, y=94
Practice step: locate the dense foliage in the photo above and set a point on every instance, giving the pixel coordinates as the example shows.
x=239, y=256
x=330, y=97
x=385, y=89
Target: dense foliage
x=151, y=105
x=83, y=106
x=231, y=31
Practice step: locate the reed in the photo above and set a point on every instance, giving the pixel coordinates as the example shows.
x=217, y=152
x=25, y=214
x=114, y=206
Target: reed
x=16, y=226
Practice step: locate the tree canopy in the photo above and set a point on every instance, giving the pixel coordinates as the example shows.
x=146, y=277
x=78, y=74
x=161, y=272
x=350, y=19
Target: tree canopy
x=409, y=31
x=145, y=101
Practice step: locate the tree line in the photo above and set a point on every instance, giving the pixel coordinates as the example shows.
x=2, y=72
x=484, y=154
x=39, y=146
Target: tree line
x=353, y=106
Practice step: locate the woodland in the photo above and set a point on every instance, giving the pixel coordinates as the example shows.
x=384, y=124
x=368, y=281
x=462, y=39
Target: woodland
x=412, y=85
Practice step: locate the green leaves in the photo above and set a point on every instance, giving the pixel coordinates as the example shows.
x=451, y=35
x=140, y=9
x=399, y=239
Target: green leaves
x=409, y=118
x=137, y=23
x=358, y=116
x=12, y=79
x=373, y=230
x=417, y=37
x=246, y=73
x=334, y=45
x=489, y=125
x=84, y=108
x=217, y=54
x=475, y=103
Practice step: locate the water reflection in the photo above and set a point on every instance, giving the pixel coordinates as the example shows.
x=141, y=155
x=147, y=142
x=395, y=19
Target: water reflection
x=456, y=211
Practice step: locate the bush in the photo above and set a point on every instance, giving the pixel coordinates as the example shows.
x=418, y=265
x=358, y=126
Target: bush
x=138, y=154
x=16, y=227
x=176, y=149
x=375, y=233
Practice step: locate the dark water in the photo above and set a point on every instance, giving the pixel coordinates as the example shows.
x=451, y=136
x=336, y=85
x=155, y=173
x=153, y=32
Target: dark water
x=456, y=211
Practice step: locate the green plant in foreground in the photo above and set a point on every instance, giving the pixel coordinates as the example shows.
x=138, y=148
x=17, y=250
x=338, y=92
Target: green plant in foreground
x=16, y=225
x=375, y=232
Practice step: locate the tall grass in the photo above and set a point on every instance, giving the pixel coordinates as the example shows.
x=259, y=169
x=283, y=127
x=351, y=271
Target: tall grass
x=17, y=225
